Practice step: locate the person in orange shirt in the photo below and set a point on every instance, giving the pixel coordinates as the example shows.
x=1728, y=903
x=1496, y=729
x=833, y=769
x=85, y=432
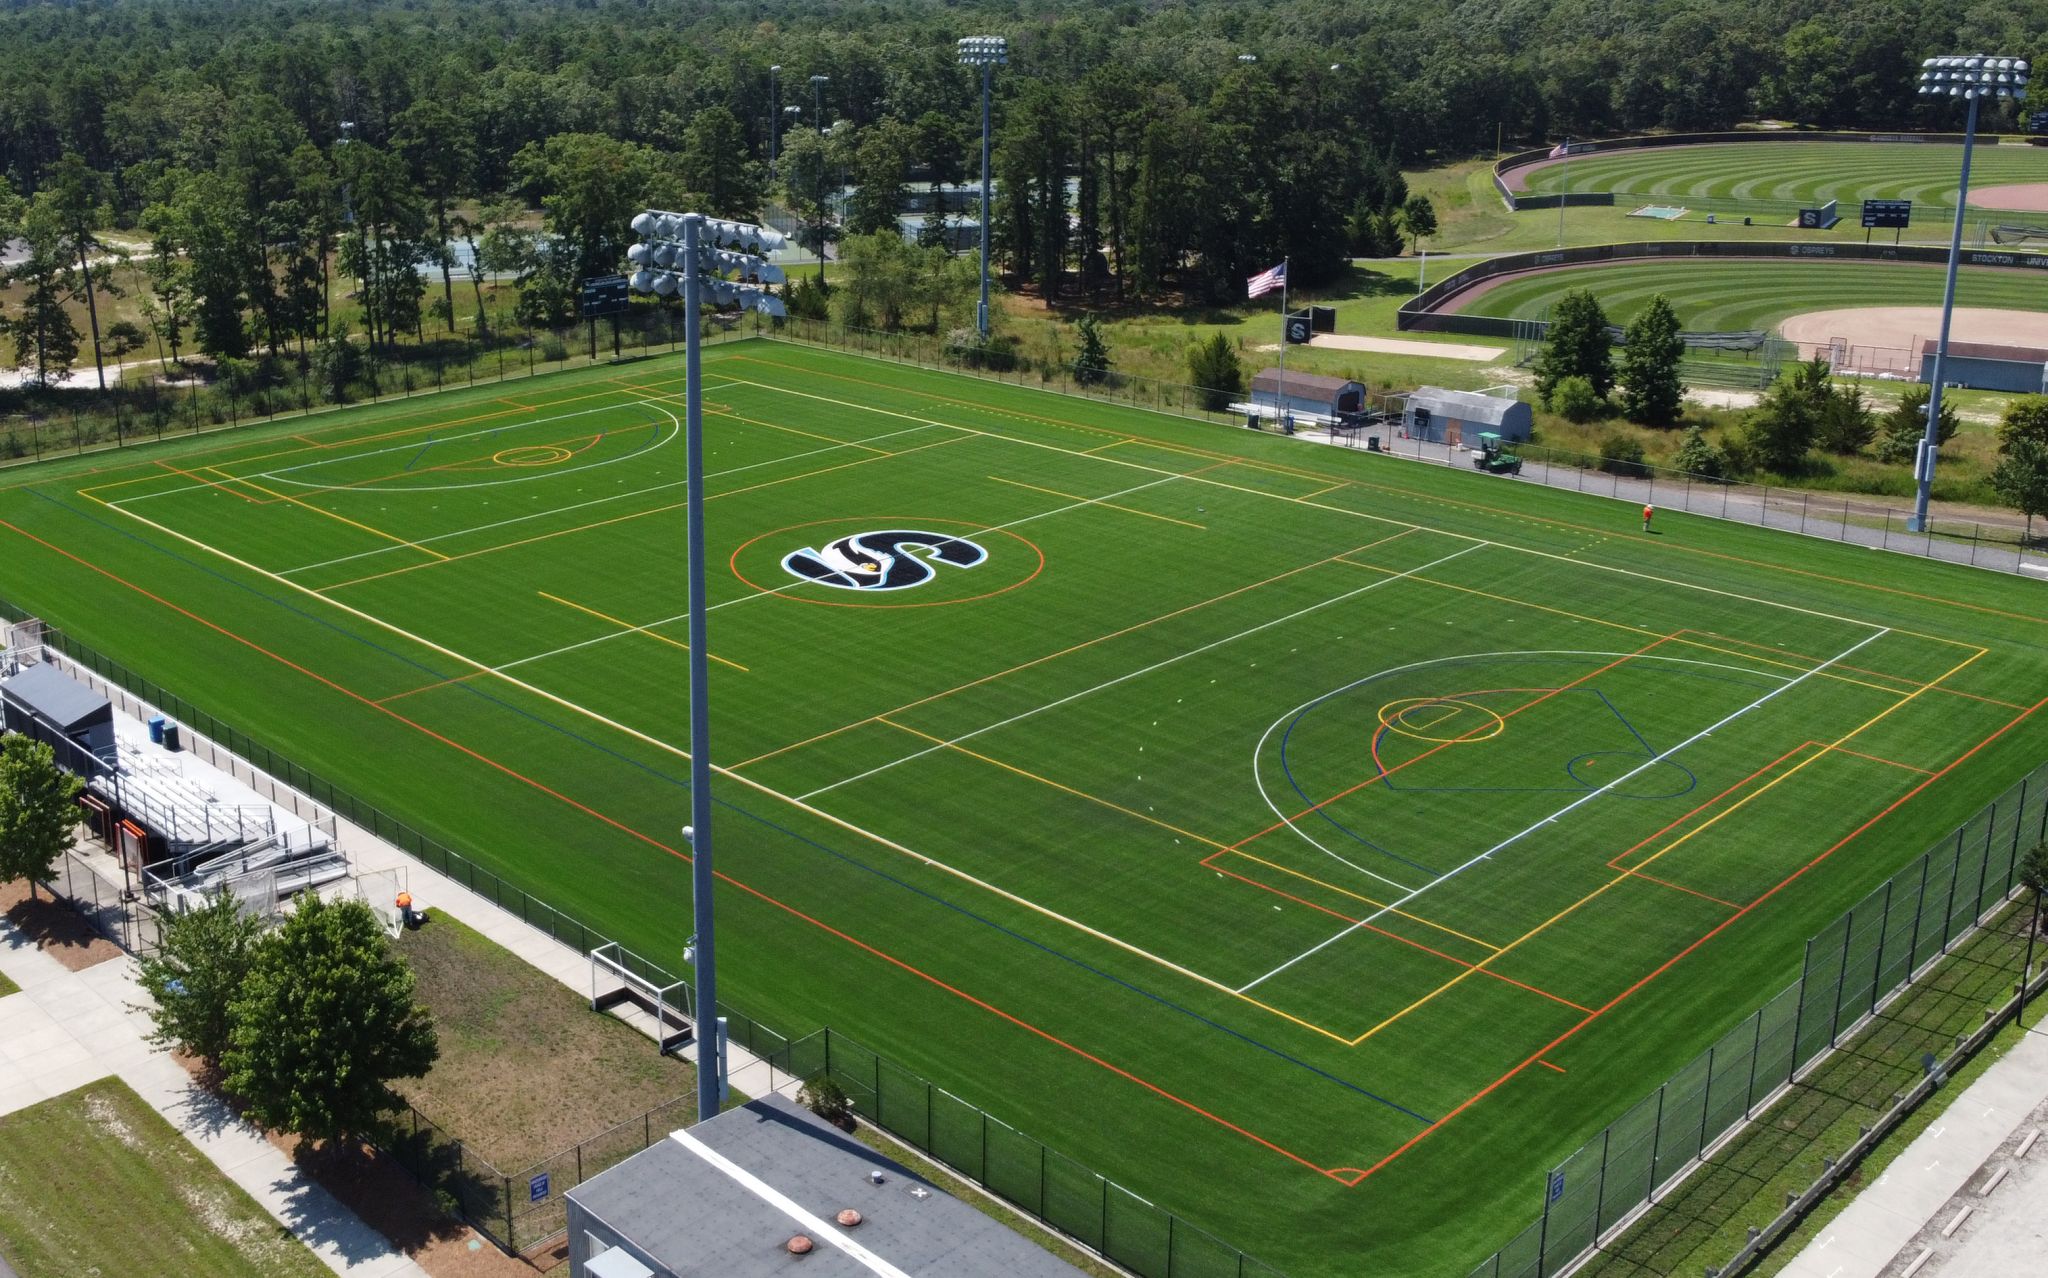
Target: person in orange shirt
x=1648, y=511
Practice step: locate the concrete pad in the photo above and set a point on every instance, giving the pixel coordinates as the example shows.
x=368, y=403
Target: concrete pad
x=1406, y=346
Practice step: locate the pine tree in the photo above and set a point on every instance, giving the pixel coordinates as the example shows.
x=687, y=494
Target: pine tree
x=1652, y=394
x=1214, y=367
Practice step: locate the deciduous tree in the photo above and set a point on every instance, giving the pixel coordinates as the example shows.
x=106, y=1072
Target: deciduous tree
x=202, y=958
x=1577, y=344
x=1652, y=394
x=38, y=808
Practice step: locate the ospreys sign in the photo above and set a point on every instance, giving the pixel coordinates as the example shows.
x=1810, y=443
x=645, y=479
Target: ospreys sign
x=895, y=559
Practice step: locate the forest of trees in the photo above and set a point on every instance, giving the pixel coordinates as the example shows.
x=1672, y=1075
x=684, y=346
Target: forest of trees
x=1151, y=149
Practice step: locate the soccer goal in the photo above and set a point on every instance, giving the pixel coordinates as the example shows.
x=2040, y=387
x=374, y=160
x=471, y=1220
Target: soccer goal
x=619, y=977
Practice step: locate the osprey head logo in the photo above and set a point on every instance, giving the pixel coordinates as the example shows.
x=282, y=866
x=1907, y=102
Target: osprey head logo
x=895, y=559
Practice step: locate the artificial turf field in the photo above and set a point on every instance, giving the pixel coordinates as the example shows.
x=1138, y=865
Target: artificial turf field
x=1796, y=174
x=1319, y=844
x=1724, y=295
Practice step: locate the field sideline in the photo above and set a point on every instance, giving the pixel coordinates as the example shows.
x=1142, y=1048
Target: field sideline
x=1299, y=838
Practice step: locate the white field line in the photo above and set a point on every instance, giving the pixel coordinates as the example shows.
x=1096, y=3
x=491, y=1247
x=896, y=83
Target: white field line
x=1259, y=749
x=415, y=445
x=879, y=840
x=1341, y=510
x=1574, y=804
x=599, y=501
x=1126, y=677
x=762, y=594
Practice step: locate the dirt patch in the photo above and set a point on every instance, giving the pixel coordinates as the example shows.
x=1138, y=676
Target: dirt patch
x=2020, y=197
x=55, y=928
x=1403, y=346
x=526, y=1069
x=1887, y=338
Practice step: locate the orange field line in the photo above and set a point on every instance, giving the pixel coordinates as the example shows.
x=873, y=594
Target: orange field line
x=1675, y=822
x=1051, y=656
x=1396, y=936
x=725, y=410
x=629, y=627
x=1890, y=763
x=1096, y=501
x=427, y=687
x=1909, y=682
x=723, y=876
x=1680, y=887
x=1547, y=1065
x=1717, y=929
x=640, y=514
x=210, y=483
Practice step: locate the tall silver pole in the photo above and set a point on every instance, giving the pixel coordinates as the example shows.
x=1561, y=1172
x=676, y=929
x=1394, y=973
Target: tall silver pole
x=774, y=115
x=981, y=314
x=701, y=879
x=1923, y=467
x=1284, y=273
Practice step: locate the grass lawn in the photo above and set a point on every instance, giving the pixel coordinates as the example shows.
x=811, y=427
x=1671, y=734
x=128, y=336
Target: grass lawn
x=8, y=987
x=1303, y=839
x=1726, y=296
x=526, y=1068
x=95, y=1182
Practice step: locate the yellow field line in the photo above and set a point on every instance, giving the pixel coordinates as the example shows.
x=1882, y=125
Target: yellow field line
x=722, y=410
x=1357, y=896
x=1093, y=501
x=641, y=514
x=318, y=510
x=629, y=626
x=1782, y=777
x=1342, y=483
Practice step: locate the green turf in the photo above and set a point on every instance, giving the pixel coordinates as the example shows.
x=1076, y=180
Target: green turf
x=95, y=1182
x=1731, y=296
x=1791, y=175
x=8, y=987
x=1016, y=827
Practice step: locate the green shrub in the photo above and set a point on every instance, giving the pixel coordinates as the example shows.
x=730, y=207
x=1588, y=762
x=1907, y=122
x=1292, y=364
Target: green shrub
x=1576, y=400
x=552, y=349
x=1621, y=453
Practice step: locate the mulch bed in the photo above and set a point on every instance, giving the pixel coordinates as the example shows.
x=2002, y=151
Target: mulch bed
x=54, y=927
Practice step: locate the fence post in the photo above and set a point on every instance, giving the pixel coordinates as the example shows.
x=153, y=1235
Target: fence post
x=1841, y=977
x=1105, y=1214
x=1948, y=913
x=511, y=1243
x=2012, y=864
x=1884, y=926
x=1600, y=1191
x=1919, y=909
x=1756, y=1047
x=984, y=1146
x=930, y=1134
x=1041, y=1180
x=1656, y=1144
x=1543, y=1229
x=1706, y=1102
x=1799, y=1011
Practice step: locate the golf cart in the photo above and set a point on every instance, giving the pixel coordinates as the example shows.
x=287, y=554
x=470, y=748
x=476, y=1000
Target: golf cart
x=1491, y=457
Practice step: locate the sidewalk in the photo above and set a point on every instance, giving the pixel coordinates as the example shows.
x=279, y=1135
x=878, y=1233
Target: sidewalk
x=1905, y=1210
x=66, y=1029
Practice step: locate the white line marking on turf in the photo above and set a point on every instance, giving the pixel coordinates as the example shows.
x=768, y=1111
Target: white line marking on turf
x=850, y=827
x=1123, y=678
x=599, y=501
x=1582, y=800
x=763, y=594
x=1258, y=749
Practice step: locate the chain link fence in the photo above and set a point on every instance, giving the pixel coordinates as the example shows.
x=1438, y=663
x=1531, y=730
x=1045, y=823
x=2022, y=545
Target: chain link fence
x=1892, y=938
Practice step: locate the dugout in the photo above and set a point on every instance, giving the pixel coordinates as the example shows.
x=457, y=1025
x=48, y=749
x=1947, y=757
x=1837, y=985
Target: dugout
x=1456, y=417
x=1309, y=394
x=2019, y=370
x=45, y=703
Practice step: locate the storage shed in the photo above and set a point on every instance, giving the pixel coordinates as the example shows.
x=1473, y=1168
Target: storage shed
x=1307, y=393
x=732, y=1196
x=2021, y=370
x=1456, y=417
x=45, y=703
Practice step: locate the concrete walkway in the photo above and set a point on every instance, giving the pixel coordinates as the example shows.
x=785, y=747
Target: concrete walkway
x=1905, y=1211
x=66, y=1029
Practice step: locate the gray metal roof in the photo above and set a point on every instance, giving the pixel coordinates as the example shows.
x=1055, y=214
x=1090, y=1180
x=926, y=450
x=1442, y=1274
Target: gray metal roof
x=1302, y=384
x=49, y=693
x=1468, y=406
x=699, y=1219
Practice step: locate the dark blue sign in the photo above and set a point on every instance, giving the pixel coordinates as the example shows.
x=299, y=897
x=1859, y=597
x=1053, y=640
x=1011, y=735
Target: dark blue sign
x=537, y=1188
x=1556, y=1186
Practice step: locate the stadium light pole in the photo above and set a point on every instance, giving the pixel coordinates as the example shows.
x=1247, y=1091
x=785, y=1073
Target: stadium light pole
x=818, y=83
x=774, y=114
x=988, y=53
x=673, y=256
x=1972, y=77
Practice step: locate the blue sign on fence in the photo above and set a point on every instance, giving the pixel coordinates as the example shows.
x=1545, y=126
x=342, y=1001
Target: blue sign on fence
x=537, y=1188
x=1556, y=1186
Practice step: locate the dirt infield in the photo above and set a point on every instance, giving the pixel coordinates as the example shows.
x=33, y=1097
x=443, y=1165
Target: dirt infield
x=2020, y=197
x=1887, y=338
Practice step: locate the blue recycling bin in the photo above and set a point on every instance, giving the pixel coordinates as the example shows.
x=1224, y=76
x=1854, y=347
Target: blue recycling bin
x=156, y=729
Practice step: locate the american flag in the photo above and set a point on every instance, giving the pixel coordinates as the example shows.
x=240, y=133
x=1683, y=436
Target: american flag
x=1560, y=151
x=1266, y=281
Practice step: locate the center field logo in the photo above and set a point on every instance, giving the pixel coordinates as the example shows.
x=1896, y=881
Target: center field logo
x=896, y=559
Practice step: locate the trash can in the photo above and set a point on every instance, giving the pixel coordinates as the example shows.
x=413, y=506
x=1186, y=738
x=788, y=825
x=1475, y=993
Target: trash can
x=156, y=729
x=170, y=736
x=1372, y=443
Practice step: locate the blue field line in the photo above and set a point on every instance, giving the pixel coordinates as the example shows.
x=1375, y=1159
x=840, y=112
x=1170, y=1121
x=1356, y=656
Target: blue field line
x=1579, y=785
x=683, y=784
x=421, y=453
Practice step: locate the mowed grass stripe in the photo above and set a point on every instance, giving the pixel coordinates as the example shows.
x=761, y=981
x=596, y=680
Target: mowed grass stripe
x=1729, y=296
x=1795, y=173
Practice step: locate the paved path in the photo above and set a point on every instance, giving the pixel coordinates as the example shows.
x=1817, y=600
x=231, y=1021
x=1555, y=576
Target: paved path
x=1947, y=1168
x=66, y=1029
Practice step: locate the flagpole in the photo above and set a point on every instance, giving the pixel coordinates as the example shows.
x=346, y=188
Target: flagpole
x=1283, y=341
